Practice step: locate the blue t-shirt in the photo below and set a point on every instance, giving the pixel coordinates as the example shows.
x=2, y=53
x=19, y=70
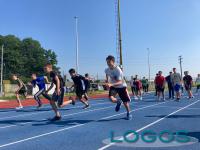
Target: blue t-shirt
x=39, y=82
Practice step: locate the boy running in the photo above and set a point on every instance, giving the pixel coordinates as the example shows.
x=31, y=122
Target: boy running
x=40, y=82
x=160, y=85
x=22, y=90
x=80, y=89
x=58, y=94
x=188, y=84
x=176, y=81
x=115, y=81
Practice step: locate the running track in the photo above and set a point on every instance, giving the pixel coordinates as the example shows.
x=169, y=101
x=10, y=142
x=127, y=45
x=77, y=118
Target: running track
x=87, y=129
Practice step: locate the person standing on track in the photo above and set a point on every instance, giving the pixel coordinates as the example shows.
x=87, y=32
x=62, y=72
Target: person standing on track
x=147, y=85
x=144, y=84
x=40, y=82
x=133, y=87
x=170, y=85
x=197, y=82
x=177, y=82
x=156, y=90
x=80, y=88
x=138, y=88
x=22, y=90
x=188, y=84
x=117, y=85
x=160, y=83
x=87, y=83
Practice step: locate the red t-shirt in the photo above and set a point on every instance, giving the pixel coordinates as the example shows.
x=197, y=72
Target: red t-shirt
x=160, y=80
x=138, y=84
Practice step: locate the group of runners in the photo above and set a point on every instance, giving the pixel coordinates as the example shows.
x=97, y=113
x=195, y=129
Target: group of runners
x=114, y=82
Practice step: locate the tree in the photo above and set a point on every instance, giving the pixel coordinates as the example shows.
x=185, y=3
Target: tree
x=24, y=57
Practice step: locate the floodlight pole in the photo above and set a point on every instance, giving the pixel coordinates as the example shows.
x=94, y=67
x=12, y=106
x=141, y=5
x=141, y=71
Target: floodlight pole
x=2, y=48
x=77, y=45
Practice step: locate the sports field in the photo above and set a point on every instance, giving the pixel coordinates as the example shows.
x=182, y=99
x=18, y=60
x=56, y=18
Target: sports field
x=91, y=129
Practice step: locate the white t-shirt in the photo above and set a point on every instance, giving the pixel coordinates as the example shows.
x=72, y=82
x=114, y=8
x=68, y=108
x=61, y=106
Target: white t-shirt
x=115, y=75
x=198, y=81
x=131, y=83
x=176, y=78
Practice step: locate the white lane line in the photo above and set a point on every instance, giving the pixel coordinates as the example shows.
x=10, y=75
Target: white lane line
x=151, y=124
x=9, y=126
x=146, y=106
x=45, y=106
x=56, y=131
x=82, y=112
x=36, y=113
x=174, y=107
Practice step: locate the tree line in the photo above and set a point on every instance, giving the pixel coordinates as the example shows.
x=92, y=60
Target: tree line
x=26, y=56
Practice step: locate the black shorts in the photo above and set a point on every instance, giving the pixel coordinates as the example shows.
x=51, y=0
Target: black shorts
x=198, y=86
x=80, y=93
x=122, y=92
x=59, y=98
x=160, y=88
x=188, y=87
x=22, y=92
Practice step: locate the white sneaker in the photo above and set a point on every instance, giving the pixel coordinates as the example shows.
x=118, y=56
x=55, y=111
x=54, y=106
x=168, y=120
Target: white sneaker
x=140, y=98
x=136, y=98
x=20, y=107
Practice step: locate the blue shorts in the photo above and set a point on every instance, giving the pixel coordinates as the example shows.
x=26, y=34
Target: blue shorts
x=177, y=87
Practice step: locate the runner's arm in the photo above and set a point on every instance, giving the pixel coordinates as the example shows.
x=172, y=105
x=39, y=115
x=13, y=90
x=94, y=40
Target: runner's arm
x=49, y=89
x=47, y=80
x=57, y=85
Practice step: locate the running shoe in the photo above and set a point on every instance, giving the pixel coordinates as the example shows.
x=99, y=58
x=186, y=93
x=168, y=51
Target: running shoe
x=129, y=116
x=39, y=106
x=18, y=108
x=140, y=98
x=117, y=108
x=73, y=100
x=86, y=106
x=56, y=118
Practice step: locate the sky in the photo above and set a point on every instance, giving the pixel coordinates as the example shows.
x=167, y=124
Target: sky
x=169, y=28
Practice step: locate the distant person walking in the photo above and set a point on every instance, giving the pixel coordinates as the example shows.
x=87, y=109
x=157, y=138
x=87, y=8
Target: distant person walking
x=188, y=84
x=160, y=85
x=197, y=82
x=170, y=85
x=156, y=91
x=176, y=81
x=144, y=84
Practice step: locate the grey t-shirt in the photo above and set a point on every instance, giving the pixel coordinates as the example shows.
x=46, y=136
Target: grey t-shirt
x=114, y=75
x=176, y=78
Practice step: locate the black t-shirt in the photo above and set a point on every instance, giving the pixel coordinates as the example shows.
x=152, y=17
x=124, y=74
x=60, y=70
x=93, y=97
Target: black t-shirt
x=87, y=83
x=53, y=75
x=169, y=80
x=187, y=79
x=79, y=82
x=21, y=83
